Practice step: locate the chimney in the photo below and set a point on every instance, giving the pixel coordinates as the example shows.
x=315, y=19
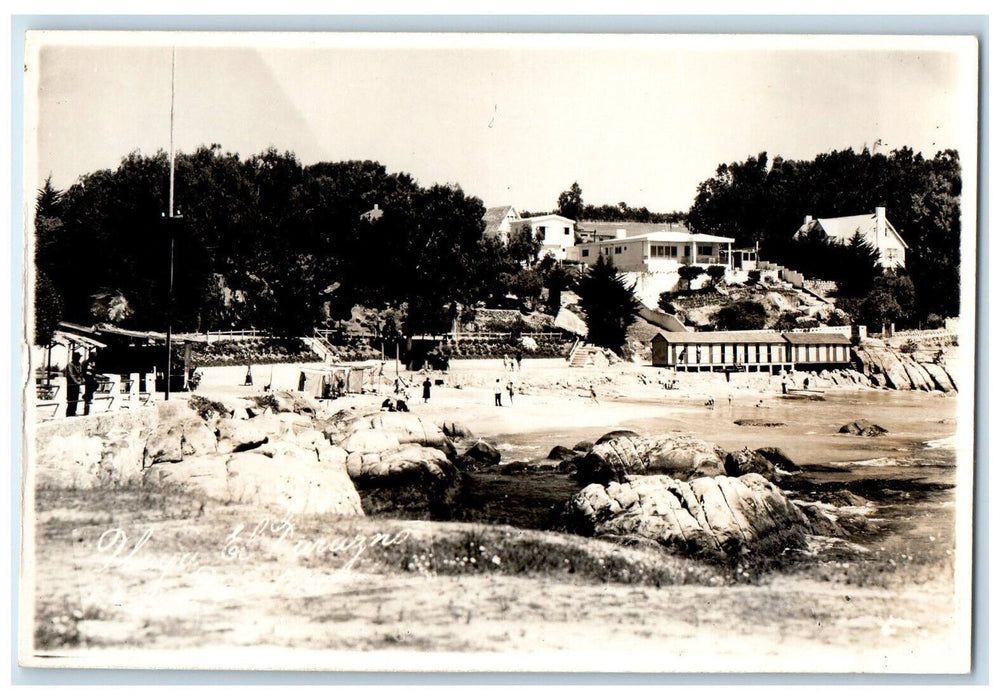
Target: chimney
x=619, y=233
x=879, y=225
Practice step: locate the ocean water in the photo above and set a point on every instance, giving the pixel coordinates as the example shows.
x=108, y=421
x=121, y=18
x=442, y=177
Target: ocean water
x=915, y=457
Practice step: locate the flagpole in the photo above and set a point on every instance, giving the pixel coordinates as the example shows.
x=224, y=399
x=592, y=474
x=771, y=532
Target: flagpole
x=170, y=224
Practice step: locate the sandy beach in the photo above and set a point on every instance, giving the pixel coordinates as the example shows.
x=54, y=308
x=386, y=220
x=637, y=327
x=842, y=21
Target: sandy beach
x=884, y=603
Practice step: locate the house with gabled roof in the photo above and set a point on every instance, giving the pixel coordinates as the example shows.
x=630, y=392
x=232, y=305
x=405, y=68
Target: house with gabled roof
x=874, y=229
x=557, y=233
x=498, y=222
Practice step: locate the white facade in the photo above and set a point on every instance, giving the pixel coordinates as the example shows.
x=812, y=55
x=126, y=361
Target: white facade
x=875, y=229
x=558, y=233
x=661, y=251
x=498, y=222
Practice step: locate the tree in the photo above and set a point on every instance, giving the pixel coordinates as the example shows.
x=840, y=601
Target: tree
x=609, y=304
x=764, y=201
x=666, y=302
x=689, y=273
x=571, y=202
x=859, y=267
x=740, y=316
x=557, y=279
x=717, y=273
x=48, y=309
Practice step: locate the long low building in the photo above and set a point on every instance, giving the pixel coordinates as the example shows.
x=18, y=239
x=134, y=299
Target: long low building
x=756, y=351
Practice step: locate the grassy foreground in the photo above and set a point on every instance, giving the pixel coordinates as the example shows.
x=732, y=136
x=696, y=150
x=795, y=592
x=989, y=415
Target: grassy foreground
x=155, y=569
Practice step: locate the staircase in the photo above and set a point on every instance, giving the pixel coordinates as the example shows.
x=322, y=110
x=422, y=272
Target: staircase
x=583, y=355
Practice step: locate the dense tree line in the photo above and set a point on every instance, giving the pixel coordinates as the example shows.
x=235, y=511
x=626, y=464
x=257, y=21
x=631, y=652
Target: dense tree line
x=764, y=201
x=571, y=205
x=263, y=242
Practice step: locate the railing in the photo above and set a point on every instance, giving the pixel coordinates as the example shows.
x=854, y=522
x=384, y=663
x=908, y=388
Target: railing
x=211, y=336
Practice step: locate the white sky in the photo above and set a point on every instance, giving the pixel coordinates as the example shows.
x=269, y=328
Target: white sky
x=514, y=120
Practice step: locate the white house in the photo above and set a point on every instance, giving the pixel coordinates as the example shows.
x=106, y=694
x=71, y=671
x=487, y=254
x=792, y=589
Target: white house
x=557, y=233
x=658, y=251
x=875, y=229
x=498, y=222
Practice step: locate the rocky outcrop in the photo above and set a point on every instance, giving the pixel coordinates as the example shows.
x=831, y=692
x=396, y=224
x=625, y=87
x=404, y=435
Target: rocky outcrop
x=722, y=515
x=455, y=430
x=893, y=369
x=289, y=481
x=864, y=428
x=402, y=464
x=626, y=453
x=240, y=435
x=757, y=422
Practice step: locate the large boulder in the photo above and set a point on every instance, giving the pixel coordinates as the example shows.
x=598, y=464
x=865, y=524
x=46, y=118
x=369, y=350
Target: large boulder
x=240, y=435
x=163, y=445
x=747, y=461
x=404, y=463
x=411, y=481
x=864, y=428
x=287, y=401
x=616, y=457
x=722, y=515
x=406, y=427
x=560, y=453
x=480, y=454
x=252, y=478
x=369, y=441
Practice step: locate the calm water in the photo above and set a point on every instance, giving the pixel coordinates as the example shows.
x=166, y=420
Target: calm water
x=916, y=455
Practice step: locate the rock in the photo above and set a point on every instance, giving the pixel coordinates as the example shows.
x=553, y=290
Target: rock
x=864, y=428
x=68, y=461
x=197, y=438
x=723, y=515
x=560, y=453
x=277, y=448
x=370, y=441
x=757, y=422
x=616, y=434
x=163, y=445
x=747, y=461
x=401, y=464
x=569, y=321
x=287, y=401
x=583, y=446
x=919, y=378
x=481, y=454
x=455, y=430
x=407, y=428
x=628, y=454
x=237, y=436
x=285, y=483
x=939, y=376
x=777, y=457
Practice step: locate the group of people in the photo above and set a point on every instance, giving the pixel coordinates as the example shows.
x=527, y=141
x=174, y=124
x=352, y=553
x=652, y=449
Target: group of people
x=498, y=392
x=512, y=364
x=81, y=374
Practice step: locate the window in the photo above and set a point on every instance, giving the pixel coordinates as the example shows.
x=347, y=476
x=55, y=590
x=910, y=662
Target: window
x=704, y=250
x=585, y=253
x=618, y=250
x=541, y=230
x=566, y=231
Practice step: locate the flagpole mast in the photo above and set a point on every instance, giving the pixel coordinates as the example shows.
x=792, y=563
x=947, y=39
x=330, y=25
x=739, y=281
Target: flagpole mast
x=170, y=224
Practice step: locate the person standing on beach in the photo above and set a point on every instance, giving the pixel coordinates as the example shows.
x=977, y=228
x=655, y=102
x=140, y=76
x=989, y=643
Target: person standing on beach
x=506, y=363
x=730, y=398
x=593, y=395
x=510, y=391
x=498, y=393
x=519, y=356
x=427, y=389
x=74, y=378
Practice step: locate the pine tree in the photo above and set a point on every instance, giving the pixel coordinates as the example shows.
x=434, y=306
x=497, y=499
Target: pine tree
x=609, y=303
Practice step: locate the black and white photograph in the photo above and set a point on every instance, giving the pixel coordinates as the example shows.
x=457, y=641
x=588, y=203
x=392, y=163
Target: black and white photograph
x=623, y=353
